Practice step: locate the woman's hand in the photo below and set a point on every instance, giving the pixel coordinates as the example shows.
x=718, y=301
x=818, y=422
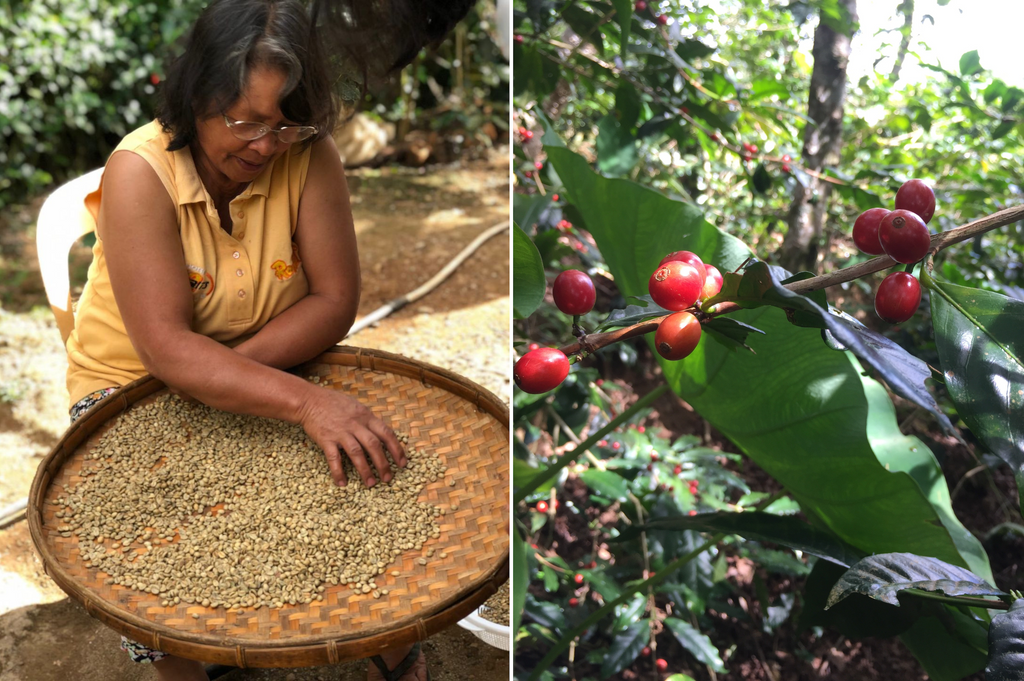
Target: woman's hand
x=332, y=419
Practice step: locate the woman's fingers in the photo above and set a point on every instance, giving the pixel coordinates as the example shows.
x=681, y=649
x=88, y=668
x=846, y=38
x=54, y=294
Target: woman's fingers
x=390, y=440
x=371, y=445
x=334, y=464
x=355, y=454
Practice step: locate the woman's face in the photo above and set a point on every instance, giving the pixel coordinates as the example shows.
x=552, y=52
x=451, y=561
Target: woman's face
x=229, y=160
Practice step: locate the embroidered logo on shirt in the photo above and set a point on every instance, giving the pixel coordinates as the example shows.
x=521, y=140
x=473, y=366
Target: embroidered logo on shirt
x=200, y=281
x=283, y=271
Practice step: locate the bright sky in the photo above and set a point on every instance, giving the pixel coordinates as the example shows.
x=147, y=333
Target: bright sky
x=990, y=26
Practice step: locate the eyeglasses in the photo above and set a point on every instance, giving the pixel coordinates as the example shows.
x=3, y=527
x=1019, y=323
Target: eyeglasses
x=289, y=134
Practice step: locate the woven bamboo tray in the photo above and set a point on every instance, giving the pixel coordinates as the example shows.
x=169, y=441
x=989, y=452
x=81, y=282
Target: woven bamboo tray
x=463, y=423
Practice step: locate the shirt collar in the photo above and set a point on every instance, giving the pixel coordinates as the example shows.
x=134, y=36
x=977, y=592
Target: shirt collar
x=192, y=190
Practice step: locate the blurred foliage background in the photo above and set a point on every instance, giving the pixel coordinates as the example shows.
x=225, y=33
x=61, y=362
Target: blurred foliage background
x=77, y=75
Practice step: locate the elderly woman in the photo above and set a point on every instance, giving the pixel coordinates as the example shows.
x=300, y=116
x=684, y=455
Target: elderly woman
x=225, y=247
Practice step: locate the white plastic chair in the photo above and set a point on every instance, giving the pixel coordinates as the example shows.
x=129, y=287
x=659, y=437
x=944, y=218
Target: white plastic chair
x=63, y=220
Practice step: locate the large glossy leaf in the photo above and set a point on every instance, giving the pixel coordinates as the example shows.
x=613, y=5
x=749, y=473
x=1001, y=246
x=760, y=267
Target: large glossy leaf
x=528, y=284
x=856, y=616
x=625, y=648
x=624, y=14
x=699, y=645
x=883, y=576
x=949, y=648
x=1006, y=645
x=761, y=285
x=980, y=339
x=606, y=483
x=616, y=146
x=786, y=530
x=803, y=412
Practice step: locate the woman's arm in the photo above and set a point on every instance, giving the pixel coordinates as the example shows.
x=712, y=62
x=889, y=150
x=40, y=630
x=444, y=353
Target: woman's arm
x=327, y=246
x=138, y=226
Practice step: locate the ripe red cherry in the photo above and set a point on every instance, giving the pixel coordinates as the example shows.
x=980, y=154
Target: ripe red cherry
x=573, y=602
x=713, y=282
x=533, y=346
x=578, y=578
x=785, y=167
x=527, y=134
x=865, y=231
x=662, y=19
x=685, y=256
x=542, y=507
x=676, y=285
x=541, y=370
x=677, y=470
x=693, y=511
x=715, y=137
x=654, y=456
x=538, y=165
x=694, y=484
x=904, y=236
x=897, y=298
x=786, y=158
x=646, y=651
x=661, y=664
x=677, y=335
x=616, y=445
x=554, y=197
x=640, y=5
x=574, y=292
x=519, y=39
x=917, y=197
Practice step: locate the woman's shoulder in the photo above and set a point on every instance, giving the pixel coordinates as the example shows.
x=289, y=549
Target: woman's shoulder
x=150, y=136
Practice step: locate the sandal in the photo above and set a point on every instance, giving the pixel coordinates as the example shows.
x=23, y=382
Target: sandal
x=403, y=666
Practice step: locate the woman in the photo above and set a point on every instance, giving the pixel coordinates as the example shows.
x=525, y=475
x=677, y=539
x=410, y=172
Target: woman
x=225, y=247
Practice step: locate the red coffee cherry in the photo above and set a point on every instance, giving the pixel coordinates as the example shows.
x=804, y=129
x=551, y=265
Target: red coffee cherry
x=519, y=39
x=686, y=256
x=527, y=134
x=904, y=236
x=677, y=470
x=646, y=651
x=917, y=197
x=573, y=602
x=786, y=158
x=662, y=19
x=712, y=283
x=542, y=507
x=661, y=664
x=541, y=370
x=640, y=5
x=785, y=167
x=865, y=231
x=578, y=578
x=715, y=137
x=677, y=335
x=574, y=292
x=654, y=456
x=897, y=297
x=676, y=285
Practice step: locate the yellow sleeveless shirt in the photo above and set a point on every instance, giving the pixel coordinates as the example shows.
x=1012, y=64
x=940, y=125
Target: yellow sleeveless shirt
x=240, y=281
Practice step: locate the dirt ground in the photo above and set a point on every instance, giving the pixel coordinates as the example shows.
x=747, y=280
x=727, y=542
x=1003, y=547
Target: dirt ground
x=409, y=224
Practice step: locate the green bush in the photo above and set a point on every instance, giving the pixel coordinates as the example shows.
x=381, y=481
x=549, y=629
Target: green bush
x=75, y=77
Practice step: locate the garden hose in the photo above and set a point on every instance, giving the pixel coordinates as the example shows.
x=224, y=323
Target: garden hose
x=16, y=511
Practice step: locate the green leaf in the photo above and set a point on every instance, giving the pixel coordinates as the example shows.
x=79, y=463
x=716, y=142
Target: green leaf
x=857, y=616
x=624, y=13
x=520, y=579
x=884, y=575
x=629, y=613
x=970, y=63
x=527, y=208
x=762, y=179
x=1006, y=644
x=627, y=104
x=950, y=648
x=528, y=284
x=762, y=89
x=625, y=648
x=730, y=331
x=979, y=336
x=616, y=147
x=690, y=49
x=633, y=314
x=606, y=483
x=786, y=530
x=1003, y=129
x=812, y=420
x=699, y=645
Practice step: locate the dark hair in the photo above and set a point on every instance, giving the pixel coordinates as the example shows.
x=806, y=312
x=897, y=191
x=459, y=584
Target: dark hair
x=360, y=40
x=229, y=40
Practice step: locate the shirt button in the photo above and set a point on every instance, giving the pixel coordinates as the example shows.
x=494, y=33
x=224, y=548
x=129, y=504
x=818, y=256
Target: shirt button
x=241, y=213
x=241, y=235
x=235, y=255
x=241, y=293
x=239, y=272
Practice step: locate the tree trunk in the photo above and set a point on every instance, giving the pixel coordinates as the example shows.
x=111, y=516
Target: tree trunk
x=822, y=140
